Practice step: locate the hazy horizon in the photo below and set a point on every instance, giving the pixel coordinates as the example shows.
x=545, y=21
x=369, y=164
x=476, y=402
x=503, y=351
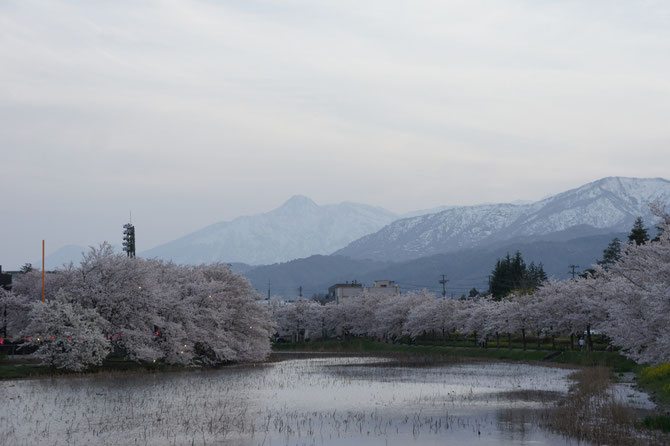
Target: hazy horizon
x=190, y=113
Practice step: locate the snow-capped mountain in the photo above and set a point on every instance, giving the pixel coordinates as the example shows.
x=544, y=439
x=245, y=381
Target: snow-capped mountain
x=607, y=205
x=298, y=228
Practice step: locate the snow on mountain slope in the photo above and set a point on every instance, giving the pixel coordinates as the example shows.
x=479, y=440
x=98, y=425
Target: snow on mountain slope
x=610, y=205
x=612, y=202
x=298, y=228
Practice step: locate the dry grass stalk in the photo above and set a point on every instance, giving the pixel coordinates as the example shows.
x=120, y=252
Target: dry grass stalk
x=592, y=413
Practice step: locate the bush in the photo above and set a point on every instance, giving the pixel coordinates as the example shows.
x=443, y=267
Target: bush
x=656, y=379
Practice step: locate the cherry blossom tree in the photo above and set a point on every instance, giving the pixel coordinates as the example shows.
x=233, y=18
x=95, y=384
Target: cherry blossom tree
x=159, y=311
x=15, y=313
x=431, y=315
x=68, y=335
x=300, y=320
x=637, y=292
x=393, y=314
x=475, y=315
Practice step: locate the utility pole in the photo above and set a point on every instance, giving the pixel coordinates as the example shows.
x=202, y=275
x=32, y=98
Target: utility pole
x=572, y=270
x=300, y=289
x=444, y=285
x=268, y=289
x=43, y=273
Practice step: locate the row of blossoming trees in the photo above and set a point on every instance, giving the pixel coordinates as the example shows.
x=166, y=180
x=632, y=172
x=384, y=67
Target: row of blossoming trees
x=629, y=302
x=148, y=310
x=141, y=310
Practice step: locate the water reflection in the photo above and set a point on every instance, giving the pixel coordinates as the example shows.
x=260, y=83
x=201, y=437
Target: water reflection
x=311, y=401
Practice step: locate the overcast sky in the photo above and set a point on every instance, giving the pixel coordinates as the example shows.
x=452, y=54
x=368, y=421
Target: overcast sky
x=193, y=112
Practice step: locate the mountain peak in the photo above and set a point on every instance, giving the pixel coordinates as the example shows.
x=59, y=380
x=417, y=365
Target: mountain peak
x=298, y=228
x=299, y=201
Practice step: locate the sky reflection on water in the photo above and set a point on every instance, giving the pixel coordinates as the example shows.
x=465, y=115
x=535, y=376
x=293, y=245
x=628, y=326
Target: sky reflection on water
x=311, y=401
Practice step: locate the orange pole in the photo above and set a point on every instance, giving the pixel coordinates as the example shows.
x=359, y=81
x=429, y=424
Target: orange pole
x=43, y=272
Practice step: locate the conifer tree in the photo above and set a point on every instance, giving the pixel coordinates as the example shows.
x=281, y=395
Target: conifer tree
x=611, y=254
x=538, y=275
x=511, y=273
x=639, y=233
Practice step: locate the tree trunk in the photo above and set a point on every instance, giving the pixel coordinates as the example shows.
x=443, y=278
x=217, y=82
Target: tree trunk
x=553, y=341
x=538, y=340
x=589, y=341
x=572, y=341
x=497, y=340
x=509, y=340
x=475, y=335
x=523, y=337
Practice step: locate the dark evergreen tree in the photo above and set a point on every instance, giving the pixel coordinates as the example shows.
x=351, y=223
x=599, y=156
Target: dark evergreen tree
x=500, y=283
x=511, y=273
x=518, y=269
x=473, y=293
x=27, y=267
x=530, y=278
x=611, y=254
x=539, y=276
x=639, y=233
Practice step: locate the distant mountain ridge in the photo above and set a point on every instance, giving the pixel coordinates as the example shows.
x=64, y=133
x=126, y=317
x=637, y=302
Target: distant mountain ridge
x=465, y=269
x=604, y=206
x=299, y=228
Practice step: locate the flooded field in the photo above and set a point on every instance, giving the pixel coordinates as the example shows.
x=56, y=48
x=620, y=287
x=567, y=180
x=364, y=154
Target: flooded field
x=311, y=401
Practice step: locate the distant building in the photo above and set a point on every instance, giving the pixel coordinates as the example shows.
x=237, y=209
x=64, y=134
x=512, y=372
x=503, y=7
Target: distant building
x=384, y=288
x=341, y=291
x=344, y=290
x=5, y=280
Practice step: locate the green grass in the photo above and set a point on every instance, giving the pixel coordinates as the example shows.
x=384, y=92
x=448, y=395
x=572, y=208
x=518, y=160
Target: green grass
x=613, y=360
x=660, y=422
x=14, y=371
x=24, y=371
x=561, y=343
x=656, y=379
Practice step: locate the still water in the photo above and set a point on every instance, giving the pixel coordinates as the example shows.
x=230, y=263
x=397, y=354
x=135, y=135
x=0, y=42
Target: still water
x=362, y=401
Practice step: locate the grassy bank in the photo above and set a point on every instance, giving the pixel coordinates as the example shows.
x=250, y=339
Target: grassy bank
x=9, y=371
x=13, y=369
x=613, y=360
x=656, y=381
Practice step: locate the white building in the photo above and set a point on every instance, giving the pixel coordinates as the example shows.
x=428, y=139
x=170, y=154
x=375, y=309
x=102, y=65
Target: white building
x=346, y=290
